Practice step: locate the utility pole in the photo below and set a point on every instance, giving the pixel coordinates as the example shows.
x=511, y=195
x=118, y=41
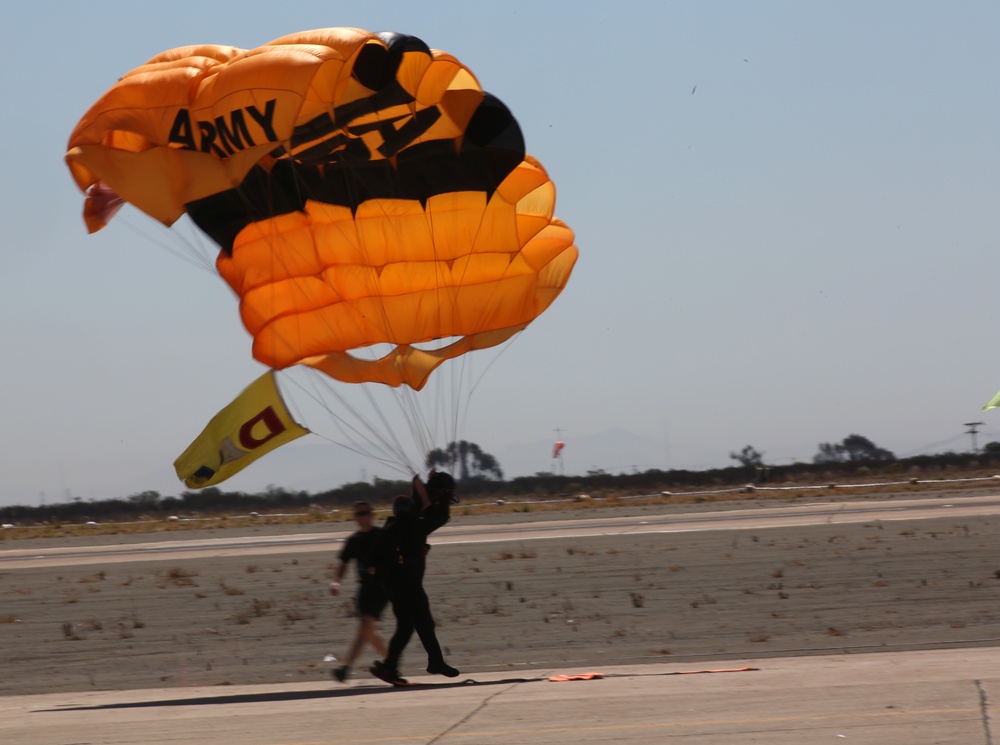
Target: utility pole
x=972, y=430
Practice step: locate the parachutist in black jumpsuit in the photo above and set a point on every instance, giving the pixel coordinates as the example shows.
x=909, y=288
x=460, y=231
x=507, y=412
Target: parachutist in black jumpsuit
x=399, y=556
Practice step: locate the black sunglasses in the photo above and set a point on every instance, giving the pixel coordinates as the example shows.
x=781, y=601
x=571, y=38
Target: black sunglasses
x=362, y=513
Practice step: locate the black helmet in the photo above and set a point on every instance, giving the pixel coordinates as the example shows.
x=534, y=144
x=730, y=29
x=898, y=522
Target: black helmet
x=441, y=488
x=402, y=506
x=440, y=481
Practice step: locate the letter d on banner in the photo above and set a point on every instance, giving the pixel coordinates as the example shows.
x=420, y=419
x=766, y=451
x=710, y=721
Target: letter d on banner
x=261, y=429
x=255, y=423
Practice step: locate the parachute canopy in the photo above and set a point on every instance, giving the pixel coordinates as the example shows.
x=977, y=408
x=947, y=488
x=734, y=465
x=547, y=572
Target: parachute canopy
x=363, y=190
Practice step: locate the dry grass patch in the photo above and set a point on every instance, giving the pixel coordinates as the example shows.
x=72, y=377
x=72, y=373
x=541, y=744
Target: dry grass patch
x=524, y=554
x=176, y=576
x=601, y=499
x=69, y=632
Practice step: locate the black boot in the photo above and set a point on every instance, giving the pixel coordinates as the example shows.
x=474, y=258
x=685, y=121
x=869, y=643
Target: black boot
x=442, y=668
x=390, y=675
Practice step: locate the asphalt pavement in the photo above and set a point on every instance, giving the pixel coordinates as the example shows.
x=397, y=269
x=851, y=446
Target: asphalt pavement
x=897, y=698
x=901, y=698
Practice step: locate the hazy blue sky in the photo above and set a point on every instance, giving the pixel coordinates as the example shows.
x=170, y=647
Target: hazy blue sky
x=787, y=214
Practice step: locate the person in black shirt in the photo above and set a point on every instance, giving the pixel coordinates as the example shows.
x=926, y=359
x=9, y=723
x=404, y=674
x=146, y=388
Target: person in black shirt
x=371, y=596
x=399, y=557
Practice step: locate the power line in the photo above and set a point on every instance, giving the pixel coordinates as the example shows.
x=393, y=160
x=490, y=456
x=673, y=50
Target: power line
x=932, y=447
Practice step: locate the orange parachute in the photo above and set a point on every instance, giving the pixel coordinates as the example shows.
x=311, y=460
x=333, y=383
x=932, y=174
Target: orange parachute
x=363, y=190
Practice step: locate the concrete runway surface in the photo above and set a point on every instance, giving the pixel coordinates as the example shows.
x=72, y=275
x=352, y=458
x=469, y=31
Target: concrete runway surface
x=942, y=696
x=911, y=697
x=118, y=549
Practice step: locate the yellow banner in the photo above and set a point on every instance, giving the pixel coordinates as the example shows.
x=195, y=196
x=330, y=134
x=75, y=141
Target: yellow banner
x=254, y=424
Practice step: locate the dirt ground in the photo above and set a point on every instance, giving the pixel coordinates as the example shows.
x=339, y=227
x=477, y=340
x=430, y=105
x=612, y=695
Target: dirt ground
x=543, y=604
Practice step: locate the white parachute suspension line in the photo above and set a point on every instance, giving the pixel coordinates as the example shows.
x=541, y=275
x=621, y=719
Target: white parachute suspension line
x=462, y=401
x=378, y=442
x=185, y=242
x=449, y=379
x=406, y=403
x=375, y=446
x=368, y=434
x=455, y=381
x=412, y=406
x=191, y=249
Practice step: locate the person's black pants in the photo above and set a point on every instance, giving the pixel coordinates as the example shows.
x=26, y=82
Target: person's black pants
x=413, y=613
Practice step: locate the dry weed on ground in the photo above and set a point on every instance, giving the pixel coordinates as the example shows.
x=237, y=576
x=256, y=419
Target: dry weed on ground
x=554, y=603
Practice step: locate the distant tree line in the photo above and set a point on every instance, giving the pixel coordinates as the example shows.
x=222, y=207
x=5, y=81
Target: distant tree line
x=853, y=456
x=852, y=449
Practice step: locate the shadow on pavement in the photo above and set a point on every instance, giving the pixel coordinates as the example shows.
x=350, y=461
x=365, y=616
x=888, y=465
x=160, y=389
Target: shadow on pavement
x=255, y=698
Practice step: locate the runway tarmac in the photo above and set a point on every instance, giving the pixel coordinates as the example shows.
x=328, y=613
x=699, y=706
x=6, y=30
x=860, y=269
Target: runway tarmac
x=909, y=698
x=118, y=549
x=884, y=698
